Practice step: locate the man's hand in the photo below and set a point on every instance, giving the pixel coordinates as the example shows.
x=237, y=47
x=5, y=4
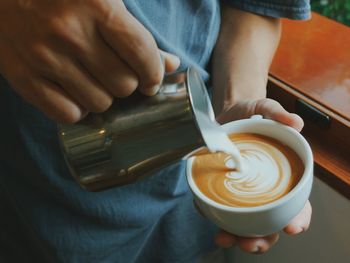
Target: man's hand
x=72, y=57
x=270, y=109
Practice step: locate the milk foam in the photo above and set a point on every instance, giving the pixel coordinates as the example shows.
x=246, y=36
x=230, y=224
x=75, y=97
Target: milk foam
x=266, y=175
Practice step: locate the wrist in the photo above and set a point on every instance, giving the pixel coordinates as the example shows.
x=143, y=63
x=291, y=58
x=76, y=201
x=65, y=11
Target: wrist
x=242, y=57
x=235, y=89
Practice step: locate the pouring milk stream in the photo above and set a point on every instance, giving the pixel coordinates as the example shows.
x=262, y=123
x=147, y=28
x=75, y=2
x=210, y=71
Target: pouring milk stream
x=217, y=140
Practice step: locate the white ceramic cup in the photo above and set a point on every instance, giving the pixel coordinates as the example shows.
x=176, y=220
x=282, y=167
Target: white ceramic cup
x=269, y=218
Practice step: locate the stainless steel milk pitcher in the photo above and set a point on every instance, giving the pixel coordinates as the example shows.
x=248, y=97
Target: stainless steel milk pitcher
x=137, y=135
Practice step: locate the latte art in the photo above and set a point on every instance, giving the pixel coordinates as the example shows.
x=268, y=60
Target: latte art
x=271, y=170
x=267, y=173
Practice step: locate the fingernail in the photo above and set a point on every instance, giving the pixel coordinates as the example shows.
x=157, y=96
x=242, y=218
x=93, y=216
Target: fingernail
x=150, y=91
x=172, y=62
x=259, y=247
x=258, y=250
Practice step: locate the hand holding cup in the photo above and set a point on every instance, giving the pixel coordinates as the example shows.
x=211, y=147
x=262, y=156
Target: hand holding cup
x=260, y=224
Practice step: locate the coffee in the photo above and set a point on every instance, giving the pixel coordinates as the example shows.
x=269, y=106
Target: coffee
x=271, y=170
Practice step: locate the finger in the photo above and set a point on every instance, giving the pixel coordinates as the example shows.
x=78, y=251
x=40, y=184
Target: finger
x=82, y=87
x=51, y=100
x=271, y=109
x=225, y=239
x=257, y=245
x=241, y=110
x=43, y=94
x=70, y=75
x=301, y=222
x=136, y=46
x=107, y=67
x=172, y=62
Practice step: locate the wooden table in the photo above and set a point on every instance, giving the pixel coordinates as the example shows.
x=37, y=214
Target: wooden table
x=310, y=75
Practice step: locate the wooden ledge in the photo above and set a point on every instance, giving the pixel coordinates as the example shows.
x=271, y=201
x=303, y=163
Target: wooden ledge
x=314, y=58
x=310, y=75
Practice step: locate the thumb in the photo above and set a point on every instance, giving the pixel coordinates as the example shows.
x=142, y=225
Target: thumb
x=171, y=62
x=271, y=109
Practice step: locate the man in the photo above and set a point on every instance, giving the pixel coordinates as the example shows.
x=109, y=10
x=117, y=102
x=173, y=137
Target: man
x=61, y=60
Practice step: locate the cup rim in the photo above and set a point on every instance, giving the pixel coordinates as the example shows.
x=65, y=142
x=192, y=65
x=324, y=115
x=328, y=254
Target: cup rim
x=308, y=172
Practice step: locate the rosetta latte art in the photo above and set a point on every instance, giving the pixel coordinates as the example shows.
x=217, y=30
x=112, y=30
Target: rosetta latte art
x=266, y=177
x=270, y=170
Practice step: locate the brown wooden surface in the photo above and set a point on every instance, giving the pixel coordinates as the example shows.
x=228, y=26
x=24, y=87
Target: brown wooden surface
x=330, y=147
x=313, y=64
x=314, y=58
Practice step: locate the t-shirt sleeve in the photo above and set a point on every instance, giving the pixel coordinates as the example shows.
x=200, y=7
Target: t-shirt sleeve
x=293, y=9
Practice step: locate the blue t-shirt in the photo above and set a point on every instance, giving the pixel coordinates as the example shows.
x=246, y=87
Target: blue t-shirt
x=46, y=217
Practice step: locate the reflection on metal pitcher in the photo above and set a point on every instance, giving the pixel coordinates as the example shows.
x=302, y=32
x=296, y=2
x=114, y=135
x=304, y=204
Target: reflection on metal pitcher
x=138, y=134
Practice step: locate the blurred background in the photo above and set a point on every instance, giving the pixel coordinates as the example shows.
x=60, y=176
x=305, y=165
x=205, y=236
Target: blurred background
x=335, y=9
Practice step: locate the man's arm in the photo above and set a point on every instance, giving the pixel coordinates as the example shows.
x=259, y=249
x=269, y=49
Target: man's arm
x=241, y=61
x=242, y=57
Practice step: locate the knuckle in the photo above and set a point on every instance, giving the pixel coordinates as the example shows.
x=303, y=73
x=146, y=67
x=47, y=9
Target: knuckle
x=109, y=15
x=146, y=44
x=97, y=4
x=141, y=42
x=57, y=25
x=109, y=19
x=42, y=55
x=101, y=6
x=69, y=31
